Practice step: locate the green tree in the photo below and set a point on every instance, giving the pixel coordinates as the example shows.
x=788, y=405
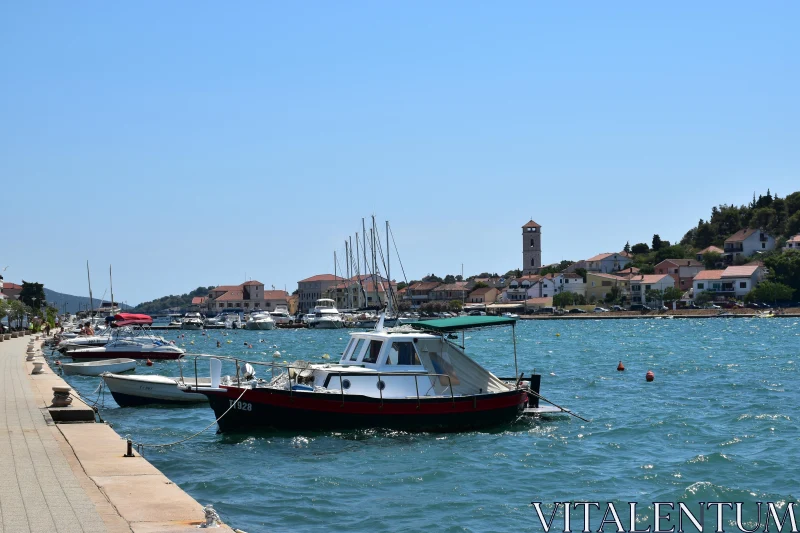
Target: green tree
x=784, y=268
x=711, y=260
x=677, y=251
x=672, y=294
x=449, y=278
x=654, y=295
x=627, y=248
x=793, y=224
x=480, y=285
x=564, y=299
x=50, y=315
x=640, y=248
x=656, y=242
x=582, y=273
x=793, y=203
x=613, y=295
x=769, y=291
x=703, y=298
x=401, y=285
x=32, y=294
x=455, y=305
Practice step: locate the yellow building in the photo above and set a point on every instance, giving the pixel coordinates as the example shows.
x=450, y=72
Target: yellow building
x=598, y=285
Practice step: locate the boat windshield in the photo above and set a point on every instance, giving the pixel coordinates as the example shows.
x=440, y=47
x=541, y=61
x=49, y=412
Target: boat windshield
x=371, y=356
x=402, y=353
x=357, y=347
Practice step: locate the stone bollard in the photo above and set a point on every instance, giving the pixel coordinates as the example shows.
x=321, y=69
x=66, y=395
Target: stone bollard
x=37, y=367
x=30, y=349
x=30, y=356
x=61, y=397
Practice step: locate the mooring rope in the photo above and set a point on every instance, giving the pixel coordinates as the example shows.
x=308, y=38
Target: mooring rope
x=140, y=445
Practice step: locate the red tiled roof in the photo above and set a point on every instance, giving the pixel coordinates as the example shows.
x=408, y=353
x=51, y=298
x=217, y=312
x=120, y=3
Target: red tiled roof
x=708, y=274
x=424, y=286
x=649, y=279
x=197, y=300
x=276, y=295
x=531, y=224
x=600, y=257
x=681, y=262
x=744, y=271
x=741, y=235
x=322, y=277
x=544, y=301
x=712, y=248
x=225, y=288
x=231, y=296
x=629, y=270
x=9, y=285
x=572, y=275
x=457, y=286
x=796, y=238
x=250, y=283
x=481, y=291
x=608, y=276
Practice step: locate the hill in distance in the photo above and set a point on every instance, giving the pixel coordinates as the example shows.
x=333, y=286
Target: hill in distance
x=74, y=303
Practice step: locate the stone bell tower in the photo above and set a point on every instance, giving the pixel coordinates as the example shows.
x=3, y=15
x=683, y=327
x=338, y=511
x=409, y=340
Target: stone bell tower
x=531, y=248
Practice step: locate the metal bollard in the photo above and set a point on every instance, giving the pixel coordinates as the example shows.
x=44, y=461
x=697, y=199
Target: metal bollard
x=130, y=449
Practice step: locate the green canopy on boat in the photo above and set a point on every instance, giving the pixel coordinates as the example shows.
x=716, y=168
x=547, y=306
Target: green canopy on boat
x=446, y=325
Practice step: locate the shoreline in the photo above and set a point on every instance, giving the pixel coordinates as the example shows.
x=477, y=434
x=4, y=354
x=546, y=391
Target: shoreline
x=128, y=494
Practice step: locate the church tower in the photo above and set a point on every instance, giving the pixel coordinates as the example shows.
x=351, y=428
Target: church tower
x=531, y=248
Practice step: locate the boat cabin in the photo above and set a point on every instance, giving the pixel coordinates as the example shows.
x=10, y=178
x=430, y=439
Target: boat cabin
x=402, y=365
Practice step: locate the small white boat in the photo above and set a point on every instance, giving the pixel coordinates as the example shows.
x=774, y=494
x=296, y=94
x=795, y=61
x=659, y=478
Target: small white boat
x=142, y=390
x=260, y=320
x=281, y=315
x=95, y=368
x=192, y=321
x=325, y=315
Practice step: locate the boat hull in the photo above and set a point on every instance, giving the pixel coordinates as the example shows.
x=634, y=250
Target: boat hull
x=326, y=324
x=78, y=355
x=96, y=368
x=191, y=326
x=279, y=409
x=128, y=392
x=260, y=325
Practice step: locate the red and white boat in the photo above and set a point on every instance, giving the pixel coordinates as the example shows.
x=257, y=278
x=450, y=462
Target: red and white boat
x=143, y=346
x=409, y=379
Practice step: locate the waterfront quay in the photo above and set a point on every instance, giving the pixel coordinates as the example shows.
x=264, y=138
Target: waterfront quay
x=72, y=476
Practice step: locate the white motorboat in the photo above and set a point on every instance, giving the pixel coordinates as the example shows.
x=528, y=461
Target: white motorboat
x=192, y=321
x=325, y=315
x=85, y=341
x=260, y=320
x=95, y=368
x=142, y=346
x=281, y=315
x=142, y=390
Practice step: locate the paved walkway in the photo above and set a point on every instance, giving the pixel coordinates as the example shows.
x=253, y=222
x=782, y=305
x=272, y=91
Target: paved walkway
x=39, y=490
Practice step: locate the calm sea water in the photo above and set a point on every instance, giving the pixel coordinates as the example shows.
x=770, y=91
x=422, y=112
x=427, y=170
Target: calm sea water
x=717, y=424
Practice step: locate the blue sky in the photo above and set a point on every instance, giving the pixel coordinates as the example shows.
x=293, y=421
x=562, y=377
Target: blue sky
x=194, y=143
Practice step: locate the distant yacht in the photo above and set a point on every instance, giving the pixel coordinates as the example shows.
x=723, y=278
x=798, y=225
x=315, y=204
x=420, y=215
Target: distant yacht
x=260, y=320
x=325, y=315
x=192, y=321
x=281, y=315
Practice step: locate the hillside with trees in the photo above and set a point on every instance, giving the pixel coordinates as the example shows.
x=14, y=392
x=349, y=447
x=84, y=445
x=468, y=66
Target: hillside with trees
x=181, y=302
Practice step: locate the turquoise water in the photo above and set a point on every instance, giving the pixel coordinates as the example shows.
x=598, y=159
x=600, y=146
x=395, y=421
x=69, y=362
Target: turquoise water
x=717, y=424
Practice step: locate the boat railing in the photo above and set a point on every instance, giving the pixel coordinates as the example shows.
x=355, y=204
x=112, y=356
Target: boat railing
x=287, y=367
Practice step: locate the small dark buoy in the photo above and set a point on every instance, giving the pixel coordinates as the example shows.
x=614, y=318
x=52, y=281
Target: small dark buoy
x=650, y=376
x=149, y=363
x=58, y=363
x=621, y=367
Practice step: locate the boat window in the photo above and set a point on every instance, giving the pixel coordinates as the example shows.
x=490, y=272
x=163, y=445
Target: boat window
x=372, y=353
x=404, y=353
x=357, y=349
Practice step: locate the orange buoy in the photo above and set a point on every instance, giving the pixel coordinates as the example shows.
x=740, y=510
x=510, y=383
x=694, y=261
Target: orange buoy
x=621, y=367
x=149, y=363
x=650, y=376
x=58, y=363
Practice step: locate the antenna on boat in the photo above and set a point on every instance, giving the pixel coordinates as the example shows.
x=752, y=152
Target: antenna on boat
x=91, y=301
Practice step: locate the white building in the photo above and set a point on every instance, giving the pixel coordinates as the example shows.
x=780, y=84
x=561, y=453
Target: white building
x=746, y=242
x=792, y=243
x=607, y=262
x=641, y=283
x=733, y=282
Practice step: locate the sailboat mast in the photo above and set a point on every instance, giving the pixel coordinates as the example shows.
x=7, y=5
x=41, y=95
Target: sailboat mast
x=111, y=282
x=388, y=271
x=89, y=277
x=335, y=278
x=350, y=263
x=373, y=233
